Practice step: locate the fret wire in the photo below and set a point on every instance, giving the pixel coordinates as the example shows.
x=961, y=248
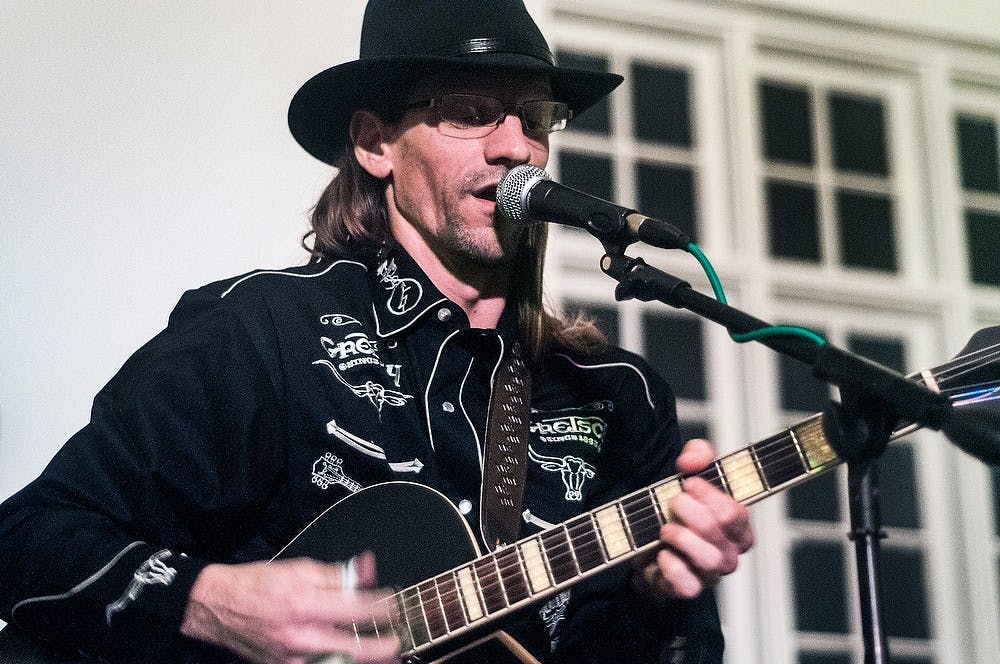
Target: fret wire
x=444, y=614
x=625, y=525
x=516, y=581
x=422, y=603
x=755, y=458
x=545, y=560
x=479, y=589
x=572, y=550
x=491, y=585
x=546, y=563
x=393, y=623
x=502, y=586
x=720, y=473
x=401, y=604
x=415, y=592
x=461, y=600
x=423, y=613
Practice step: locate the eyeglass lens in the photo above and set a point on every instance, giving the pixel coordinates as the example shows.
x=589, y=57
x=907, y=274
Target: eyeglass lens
x=476, y=112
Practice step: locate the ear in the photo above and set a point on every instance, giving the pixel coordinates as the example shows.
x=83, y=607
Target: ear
x=368, y=134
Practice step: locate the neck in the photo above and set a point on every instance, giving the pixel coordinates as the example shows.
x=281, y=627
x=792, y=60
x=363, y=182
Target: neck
x=479, y=288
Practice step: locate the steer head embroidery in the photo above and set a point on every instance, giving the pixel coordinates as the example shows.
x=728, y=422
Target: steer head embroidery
x=574, y=471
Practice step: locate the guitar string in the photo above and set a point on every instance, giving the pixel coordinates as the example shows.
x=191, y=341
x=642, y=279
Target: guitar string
x=638, y=519
x=971, y=361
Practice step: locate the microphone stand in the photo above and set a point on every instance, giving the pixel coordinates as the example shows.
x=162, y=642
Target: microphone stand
x=874, y=400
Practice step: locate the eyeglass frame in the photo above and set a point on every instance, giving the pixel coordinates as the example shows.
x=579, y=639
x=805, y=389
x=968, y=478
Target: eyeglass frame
x=507, y=110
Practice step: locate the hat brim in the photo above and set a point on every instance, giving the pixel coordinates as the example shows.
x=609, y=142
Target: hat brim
x=320, y=113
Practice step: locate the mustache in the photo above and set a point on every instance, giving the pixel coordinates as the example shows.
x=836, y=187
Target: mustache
x=484, y=182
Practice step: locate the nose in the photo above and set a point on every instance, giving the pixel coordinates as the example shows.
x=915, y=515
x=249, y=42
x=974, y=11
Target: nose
x=508, y=143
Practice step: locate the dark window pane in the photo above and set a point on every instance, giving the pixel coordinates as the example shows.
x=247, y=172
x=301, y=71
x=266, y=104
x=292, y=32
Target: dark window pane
x=977, y=152
x=597, y=118
x=689, y=430
x=588, y=173
x=817, y=500
x=660, y=105
x=785, y=114
x=903, y=581
x=982, y=231
x=818, y=578
x=897, y=478
x=823, y=658
x=667, y=193
x=604, y=316
x=859, y=142
x=898, y=487
x=793, y=224
x=887, y=351
x=673, y=346
x=798, y=388
x=867, y=230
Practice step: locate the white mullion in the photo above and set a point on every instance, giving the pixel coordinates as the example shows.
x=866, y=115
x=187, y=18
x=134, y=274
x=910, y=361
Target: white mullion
x=829, y=242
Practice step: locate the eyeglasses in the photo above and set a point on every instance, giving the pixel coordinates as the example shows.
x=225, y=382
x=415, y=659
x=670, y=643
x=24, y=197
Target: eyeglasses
x=475, y=116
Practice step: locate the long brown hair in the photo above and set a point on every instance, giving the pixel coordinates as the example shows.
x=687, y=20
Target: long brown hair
x=350, y=218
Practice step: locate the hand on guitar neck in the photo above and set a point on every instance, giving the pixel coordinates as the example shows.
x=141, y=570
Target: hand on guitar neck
x=291, y=611
x=702, y=544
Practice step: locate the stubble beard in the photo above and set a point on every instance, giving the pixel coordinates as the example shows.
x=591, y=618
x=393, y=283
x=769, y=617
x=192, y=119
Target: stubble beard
x=485, y=246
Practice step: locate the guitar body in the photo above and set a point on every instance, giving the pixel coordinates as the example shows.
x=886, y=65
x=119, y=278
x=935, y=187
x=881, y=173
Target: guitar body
x=415, y=533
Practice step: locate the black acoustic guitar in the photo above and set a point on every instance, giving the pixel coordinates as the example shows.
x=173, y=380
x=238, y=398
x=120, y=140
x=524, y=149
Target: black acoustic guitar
x=450, y=596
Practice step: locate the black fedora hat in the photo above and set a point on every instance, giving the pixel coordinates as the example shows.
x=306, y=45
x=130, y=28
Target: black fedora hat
x=404, y=39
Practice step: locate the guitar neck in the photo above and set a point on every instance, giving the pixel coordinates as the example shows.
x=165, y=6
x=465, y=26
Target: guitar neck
x=535, y=567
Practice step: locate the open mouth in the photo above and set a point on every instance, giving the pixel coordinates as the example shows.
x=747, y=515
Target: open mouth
x=487, y=193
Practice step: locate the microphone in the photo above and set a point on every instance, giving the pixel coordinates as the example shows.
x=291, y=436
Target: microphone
x=527, y=195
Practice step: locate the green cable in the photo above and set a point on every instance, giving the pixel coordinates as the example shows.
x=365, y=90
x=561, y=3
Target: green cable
x=753, y=335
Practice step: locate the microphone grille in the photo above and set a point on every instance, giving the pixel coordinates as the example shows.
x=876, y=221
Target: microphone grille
x=512, y=192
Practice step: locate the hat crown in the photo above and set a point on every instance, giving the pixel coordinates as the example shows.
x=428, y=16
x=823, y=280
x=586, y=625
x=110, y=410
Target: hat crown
x=451, y=28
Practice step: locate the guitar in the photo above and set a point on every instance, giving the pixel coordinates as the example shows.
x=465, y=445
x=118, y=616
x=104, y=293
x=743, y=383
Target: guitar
x=449, y=590
x=451, y=595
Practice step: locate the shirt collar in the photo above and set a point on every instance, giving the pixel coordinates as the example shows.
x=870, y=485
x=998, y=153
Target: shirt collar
x=401, y=292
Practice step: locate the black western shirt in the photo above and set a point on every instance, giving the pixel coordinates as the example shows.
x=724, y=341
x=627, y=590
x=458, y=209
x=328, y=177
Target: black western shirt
x=271, y=396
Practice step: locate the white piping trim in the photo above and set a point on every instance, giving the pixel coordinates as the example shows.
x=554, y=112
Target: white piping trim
x=427, y=390
x=78, y=587
x=413, y=319
x=290, y=274
x=468, y=420
x=649, y=396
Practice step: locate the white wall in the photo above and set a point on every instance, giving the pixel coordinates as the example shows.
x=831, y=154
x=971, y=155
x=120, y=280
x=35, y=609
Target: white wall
x=143, y=151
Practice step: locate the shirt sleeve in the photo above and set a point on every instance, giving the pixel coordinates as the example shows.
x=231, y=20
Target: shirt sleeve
x=606, y=622
x=100, y=552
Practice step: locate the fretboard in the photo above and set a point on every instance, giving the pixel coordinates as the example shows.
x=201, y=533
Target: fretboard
x=533, y=568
